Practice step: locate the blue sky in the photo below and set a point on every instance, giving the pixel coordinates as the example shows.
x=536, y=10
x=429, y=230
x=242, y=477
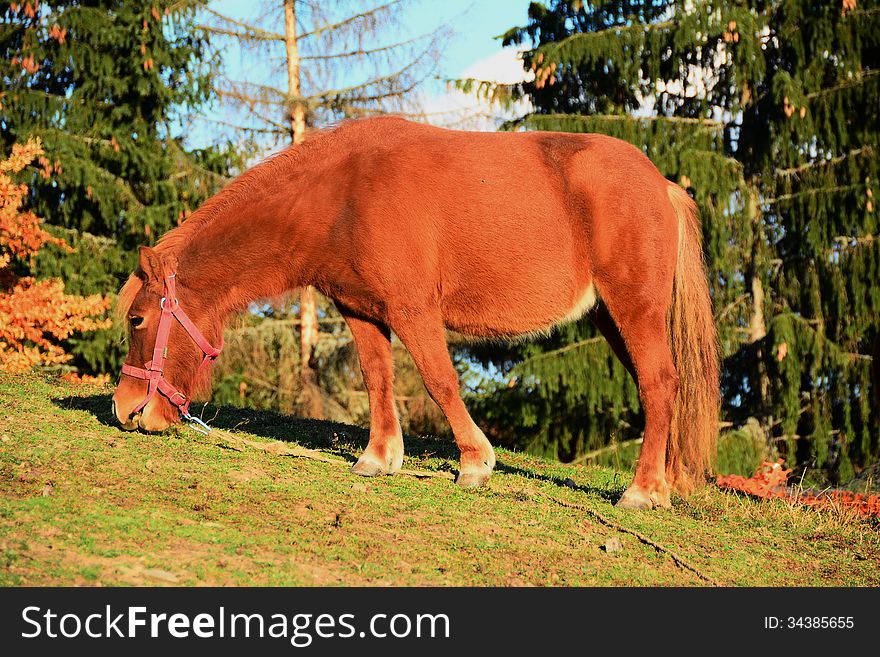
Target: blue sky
x=475, y=23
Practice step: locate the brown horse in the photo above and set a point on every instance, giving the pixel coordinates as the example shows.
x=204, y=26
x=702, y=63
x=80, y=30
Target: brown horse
x=415, y=229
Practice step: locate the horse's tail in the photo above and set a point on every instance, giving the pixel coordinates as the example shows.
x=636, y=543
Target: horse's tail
x=690, y=453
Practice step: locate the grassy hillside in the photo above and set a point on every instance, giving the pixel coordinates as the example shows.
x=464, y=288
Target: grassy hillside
x=84, y=503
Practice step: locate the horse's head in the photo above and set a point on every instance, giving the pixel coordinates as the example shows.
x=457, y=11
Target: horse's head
x=167, y=355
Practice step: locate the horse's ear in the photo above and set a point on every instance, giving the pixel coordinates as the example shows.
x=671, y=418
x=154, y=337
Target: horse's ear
x=150, y=264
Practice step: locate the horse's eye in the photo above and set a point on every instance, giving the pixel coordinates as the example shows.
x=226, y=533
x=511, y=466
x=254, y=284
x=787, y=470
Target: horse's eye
x=136, y=321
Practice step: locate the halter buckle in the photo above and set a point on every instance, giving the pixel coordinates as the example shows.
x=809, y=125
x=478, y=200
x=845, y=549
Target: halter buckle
x=196, y=423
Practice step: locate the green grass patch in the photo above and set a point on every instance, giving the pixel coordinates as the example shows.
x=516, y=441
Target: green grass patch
x=83, y=503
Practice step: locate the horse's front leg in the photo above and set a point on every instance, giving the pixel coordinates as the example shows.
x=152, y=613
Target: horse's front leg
x=421, y=331
x=384, y=453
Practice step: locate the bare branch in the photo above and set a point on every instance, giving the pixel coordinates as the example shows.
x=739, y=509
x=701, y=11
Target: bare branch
x=247, y=32
x=347, y=21
x=360, y=52
x=390, y=78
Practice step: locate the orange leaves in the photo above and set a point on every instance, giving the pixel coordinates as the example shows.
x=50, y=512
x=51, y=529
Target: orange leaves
x=157, y=16
x=544, y=75
x=28, y=63
x=21, y=156
x=781, y=351
x=848, y=5
x=790, y=109
x=34, y=313
x=770, y=482
x=731, y=35
x=37, y=312
x=57, y=33
x=148, y=64
x=87, y=379
x=48, y=167
x=20, y=232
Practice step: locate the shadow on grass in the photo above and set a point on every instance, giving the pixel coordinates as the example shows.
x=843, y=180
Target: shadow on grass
x=312, y=434
x=337, y=438
x=608, y=494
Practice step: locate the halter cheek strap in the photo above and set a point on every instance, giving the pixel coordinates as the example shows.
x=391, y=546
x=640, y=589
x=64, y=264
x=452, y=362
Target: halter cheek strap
x=153, y=370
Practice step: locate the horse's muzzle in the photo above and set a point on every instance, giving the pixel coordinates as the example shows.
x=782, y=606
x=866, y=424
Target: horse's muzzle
x=127, y=423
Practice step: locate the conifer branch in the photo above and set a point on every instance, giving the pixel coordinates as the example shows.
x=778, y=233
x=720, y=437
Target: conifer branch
x=581, y=36
x=585, y=118
x=830, y=344
x=562, y=350
x=850, y=241
x=812, y=192
x=864, y=150
x=190, y=165
x=852, y=82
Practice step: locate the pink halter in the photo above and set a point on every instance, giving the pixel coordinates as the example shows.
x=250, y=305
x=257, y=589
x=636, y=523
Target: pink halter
x=153, y=370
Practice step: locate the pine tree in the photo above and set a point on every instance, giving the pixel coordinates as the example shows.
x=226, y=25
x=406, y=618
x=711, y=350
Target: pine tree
x=106, y=85
x=767, y=112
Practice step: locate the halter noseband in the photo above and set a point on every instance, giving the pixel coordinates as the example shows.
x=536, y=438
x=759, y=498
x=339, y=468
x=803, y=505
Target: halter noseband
x=153, y=370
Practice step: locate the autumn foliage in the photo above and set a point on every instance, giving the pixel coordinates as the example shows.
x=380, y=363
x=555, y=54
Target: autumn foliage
x=771, y=482
x=34, y=315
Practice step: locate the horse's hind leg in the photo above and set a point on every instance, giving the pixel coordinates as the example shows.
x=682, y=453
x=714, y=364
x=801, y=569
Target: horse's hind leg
x=384, y=452
x=643, y=327
x=423, y=334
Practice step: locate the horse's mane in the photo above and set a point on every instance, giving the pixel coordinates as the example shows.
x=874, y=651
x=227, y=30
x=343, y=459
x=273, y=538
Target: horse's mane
x=241, y=189
x=318, y=146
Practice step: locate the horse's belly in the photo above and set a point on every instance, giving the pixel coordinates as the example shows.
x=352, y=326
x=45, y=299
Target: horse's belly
x=515, y=311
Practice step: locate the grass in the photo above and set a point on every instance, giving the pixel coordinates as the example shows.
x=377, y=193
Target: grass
x=82, y=503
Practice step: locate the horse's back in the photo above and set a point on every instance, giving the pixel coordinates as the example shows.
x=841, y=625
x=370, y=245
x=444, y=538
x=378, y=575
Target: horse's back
x=496, y=226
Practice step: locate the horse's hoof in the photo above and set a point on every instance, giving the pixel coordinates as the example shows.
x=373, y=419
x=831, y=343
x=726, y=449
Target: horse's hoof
x=635, y=498
x=473, y=478
x=638, y=498
x=367, y=467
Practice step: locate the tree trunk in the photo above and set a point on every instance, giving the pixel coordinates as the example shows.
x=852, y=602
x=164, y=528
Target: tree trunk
x=760, y=382
x=313, y=405
x=875, y=364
